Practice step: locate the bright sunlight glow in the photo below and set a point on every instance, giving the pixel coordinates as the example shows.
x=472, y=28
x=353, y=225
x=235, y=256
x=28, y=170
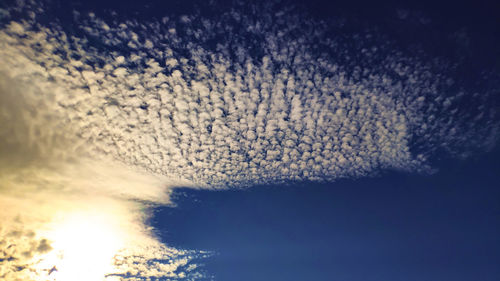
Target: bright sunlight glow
x=84, y=245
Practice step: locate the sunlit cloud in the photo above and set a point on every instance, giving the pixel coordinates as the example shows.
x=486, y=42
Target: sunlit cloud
x=67, y=238
x=100, y=123
x=67, y=215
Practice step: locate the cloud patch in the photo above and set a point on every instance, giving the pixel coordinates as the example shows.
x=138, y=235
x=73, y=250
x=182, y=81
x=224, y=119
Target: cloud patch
x=246, y=98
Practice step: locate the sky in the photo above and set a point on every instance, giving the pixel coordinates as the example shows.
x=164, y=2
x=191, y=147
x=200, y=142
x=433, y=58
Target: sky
x=272, y=140
x=395, y=227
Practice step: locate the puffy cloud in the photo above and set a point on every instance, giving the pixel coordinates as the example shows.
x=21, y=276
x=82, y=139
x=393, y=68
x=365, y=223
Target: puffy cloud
x=125, y=110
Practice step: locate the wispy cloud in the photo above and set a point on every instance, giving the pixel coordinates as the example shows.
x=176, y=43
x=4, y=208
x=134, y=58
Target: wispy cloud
x=127, y=110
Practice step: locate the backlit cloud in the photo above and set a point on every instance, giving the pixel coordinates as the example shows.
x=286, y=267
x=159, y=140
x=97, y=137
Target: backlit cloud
x=125, y=110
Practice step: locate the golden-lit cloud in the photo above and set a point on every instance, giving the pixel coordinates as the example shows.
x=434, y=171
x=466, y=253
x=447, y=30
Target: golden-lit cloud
x=69, y=214
x=60, y=237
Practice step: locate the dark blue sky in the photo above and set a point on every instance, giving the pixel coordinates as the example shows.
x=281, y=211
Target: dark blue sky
x=392, y=227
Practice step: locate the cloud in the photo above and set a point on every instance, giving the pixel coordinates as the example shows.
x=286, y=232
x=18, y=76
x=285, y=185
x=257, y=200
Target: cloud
x=51, y=183
x=125, y=110
x=84, y=238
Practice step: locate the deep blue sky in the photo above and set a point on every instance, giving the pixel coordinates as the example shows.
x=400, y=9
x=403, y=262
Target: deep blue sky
x=392, y=227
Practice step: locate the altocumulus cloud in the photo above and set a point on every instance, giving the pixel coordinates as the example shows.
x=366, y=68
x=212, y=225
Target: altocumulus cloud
x=124, y=110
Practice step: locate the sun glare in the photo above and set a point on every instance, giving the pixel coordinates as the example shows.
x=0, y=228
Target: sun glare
x=83, y=247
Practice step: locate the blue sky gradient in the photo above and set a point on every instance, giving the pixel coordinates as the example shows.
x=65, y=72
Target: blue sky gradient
x=393, y=227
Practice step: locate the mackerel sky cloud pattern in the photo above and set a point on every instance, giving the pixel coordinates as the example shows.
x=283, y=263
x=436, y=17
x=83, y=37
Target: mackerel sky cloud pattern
x=247, y=98
x=255, y=95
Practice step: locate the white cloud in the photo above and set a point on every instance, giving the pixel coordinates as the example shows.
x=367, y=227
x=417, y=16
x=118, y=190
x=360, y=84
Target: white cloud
x=268, y=103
